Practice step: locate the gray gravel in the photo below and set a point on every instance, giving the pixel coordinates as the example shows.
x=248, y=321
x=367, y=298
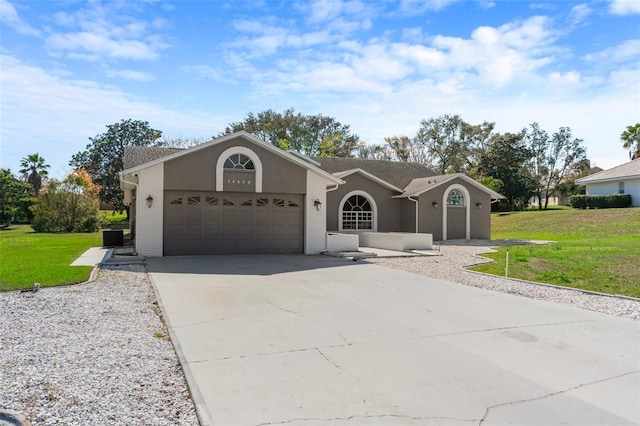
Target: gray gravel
x=458, y=254
x=91, y=354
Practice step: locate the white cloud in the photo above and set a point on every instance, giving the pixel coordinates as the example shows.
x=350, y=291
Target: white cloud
x=105, y=32
x=10, y=17
x=132, y=75
x=579, y=13
x=624, y=7
x=61, y=114
x=625, y=51
x=101, y=45
x=327, y=11
x=415, y=7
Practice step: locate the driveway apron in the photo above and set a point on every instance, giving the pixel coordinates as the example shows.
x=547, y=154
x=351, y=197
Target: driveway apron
x=313, y=340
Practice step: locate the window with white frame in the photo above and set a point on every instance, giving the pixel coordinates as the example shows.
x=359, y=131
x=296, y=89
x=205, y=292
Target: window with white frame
x=239, y=162
x=357, y=214
x=621, y=188
x=455, y=198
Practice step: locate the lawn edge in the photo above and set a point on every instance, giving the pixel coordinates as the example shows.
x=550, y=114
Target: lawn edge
x=493, y=250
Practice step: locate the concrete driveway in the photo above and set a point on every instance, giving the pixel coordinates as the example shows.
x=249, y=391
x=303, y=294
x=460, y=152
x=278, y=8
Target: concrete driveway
x=314, y=340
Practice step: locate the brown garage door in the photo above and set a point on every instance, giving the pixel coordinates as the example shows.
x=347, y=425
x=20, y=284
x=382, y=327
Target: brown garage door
x=232, y=223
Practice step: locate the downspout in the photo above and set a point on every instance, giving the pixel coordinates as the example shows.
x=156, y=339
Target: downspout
x=415, y=201
x=326, y=234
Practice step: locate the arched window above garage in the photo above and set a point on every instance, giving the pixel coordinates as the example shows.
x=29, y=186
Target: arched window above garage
x=239, y=169
x=239, y=162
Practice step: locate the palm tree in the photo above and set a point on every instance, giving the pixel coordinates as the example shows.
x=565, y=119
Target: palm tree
x=631, y=139
x=33, y=170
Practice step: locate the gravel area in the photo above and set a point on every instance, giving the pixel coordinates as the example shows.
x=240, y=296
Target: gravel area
x=91, y=354
x=458, y=254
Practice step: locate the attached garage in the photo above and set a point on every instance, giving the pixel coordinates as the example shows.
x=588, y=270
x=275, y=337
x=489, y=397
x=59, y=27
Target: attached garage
x=232, y=223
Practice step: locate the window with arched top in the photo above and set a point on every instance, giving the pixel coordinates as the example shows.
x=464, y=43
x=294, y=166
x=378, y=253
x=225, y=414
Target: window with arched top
x=455, y=198
x=238, y=169
x=357, y=213
x=239, y=162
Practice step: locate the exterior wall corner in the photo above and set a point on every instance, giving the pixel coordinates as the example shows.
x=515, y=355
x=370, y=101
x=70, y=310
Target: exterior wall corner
x=149, y=220
x=315, y=222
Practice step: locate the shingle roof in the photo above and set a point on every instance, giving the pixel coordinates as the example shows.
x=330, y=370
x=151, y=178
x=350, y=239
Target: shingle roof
x=136, y=155
x=396, y=173
x=419, y=185
x=626, y=170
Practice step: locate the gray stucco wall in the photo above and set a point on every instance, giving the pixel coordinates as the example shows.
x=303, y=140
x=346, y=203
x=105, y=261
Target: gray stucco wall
x=197, y=171
x=408, y=215
x=431, y=218
x=389, y=209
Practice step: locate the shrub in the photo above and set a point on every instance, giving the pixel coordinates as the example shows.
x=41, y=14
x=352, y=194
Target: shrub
x=600, y=201
x=70, y=205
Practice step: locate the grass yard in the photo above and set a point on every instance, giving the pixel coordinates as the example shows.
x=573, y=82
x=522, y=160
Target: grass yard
x=29, y=257
x=596, y=250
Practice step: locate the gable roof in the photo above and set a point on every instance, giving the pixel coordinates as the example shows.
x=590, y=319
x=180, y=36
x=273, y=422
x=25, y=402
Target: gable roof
x=396, y=173
x=241, y=134
x=419, y=186
x=368, y=176
x=630, y=170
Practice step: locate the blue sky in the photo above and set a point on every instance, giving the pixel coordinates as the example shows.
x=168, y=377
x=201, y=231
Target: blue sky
x=68, y=68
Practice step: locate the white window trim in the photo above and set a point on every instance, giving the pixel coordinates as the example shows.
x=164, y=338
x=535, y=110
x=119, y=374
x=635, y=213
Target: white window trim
x=467, y=202
x=374, y=210
x=257, y=164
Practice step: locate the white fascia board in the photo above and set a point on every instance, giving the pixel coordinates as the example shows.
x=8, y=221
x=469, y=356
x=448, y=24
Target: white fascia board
x=249, y=137
x=368, y=175
x=585, y=181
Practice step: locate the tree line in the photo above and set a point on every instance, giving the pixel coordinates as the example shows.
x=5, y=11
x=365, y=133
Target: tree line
x=520, y=166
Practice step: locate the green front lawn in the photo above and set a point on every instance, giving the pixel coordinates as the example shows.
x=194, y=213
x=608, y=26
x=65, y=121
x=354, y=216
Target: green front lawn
x=27, y=257
x=595, y=250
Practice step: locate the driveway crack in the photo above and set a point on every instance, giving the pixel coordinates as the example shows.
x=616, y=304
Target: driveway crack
x=336, y=365
x=538, y=398
x=301, y=315
x=485, y=330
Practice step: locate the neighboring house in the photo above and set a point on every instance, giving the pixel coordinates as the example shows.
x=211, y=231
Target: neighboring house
x=622, y=179
x=237, y=194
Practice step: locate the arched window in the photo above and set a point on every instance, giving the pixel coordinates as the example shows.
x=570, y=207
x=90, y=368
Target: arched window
x=455, y=198
x=239, y=161
x=239, y=169
x=357, y=213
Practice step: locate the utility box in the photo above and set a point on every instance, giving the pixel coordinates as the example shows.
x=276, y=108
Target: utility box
x=112, y=238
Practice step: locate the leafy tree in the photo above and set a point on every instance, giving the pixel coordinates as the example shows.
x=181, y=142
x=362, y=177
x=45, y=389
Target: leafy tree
x=505, y=159
x=453, y=144
x=70, y=205
x=15, y=198
x=374, y=152
x=553, y=159
x=307, y=134
x=33, y=170
x=631, y=140
x=406, y=149
x=102, y=158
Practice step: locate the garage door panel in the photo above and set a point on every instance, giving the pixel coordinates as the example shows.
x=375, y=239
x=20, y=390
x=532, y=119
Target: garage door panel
x=211, y=231
x=211, y=216
x=228, y=223
x=173, y=216
x=193, y=231
x=263, y=218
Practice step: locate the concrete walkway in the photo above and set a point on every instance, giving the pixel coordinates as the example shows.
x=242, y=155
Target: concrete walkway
x=318, y=340
x=91, y=257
